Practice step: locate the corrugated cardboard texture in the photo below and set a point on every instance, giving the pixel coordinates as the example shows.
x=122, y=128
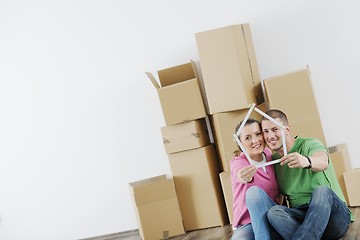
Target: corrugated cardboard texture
x=153, y=191
x=293, y=94
x=253, y=63
x=223, y=125
x=196, y=177
x=180, y=95
x=176, y=74
x=157, y=207
x=181, y=102
x=340, y=166
x=345, y=154
x=352, y=179
x=230, y=73
x=185, y=136
x=225, y=180
x=161, y=217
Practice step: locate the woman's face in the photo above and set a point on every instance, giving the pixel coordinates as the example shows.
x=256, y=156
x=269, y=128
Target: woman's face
x=252, y=139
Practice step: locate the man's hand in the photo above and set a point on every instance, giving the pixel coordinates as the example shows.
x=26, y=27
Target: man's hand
x=294, y=160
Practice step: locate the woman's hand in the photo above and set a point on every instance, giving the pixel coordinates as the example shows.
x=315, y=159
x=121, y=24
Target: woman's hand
x=246, y=174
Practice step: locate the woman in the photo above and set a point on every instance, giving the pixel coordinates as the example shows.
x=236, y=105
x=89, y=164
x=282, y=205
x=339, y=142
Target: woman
x=253, y=187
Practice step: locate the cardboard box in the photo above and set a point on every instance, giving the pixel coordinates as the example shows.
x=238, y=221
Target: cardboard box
x=352, y=179
x=343, y=150
x=196, y=177
x=225, y=180
x=179, y=94
x=229, y=68
x=223, y=125
x=293, y=94
x=340, y=166
x=185, y=136
x=157, y=208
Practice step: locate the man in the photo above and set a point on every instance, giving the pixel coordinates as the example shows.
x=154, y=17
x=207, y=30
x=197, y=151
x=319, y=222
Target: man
x=317, y=207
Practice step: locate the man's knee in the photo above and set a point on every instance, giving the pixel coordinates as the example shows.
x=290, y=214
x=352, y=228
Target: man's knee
x=322, y=197
x=275, y=211
x=321, y=193
x=322, y=190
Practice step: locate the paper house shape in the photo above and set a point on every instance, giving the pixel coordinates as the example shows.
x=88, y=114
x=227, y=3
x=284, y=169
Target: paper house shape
x=237, y=134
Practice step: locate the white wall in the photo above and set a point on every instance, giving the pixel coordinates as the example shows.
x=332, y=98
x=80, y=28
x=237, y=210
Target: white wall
x=79, y=119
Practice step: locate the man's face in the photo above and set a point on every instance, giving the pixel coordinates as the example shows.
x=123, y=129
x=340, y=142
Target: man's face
x=272, y=134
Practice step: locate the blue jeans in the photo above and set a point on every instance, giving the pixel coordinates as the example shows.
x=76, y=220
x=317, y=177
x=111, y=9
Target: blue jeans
x=258, y=204
x=244, y=232
x=325, y=217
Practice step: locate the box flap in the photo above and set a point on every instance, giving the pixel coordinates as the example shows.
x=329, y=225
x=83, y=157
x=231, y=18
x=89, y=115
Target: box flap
x=152, y=190
x=153, y=80
x=193, y=65
x=148, y=180
x=176, y=74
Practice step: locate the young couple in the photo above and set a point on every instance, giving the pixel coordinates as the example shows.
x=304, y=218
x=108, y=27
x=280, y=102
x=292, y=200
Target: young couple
x=305, y=176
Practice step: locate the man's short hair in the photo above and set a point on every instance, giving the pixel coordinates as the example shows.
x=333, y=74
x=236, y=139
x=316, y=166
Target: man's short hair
x=275, y=113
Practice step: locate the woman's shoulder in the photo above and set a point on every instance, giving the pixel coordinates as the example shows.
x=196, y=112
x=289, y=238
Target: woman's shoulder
x=239, y=159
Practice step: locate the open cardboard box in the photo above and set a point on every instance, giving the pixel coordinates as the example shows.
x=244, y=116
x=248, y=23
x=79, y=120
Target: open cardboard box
x=157, y=208
x=179, y=93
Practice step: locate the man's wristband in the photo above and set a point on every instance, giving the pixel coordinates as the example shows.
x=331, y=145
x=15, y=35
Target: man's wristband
x=310, y=163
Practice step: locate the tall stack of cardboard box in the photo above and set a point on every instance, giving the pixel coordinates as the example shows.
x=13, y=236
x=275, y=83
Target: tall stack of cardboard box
x=231, y=81
x=193, y=159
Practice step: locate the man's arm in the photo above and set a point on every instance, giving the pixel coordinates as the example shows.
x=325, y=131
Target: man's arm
x=319, y=161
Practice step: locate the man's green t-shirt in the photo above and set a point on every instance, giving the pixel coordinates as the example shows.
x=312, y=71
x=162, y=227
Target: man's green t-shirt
x=297, y=184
